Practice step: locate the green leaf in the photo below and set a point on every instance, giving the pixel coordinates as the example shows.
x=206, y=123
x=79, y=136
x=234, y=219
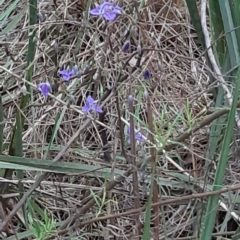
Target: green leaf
x=193, y=11
x=14, y=22
x=57, y=167
x=217, y=126
x=230, y=32
x=217, y=30
x=210, y=215
x=58, y=121
x=6, y=13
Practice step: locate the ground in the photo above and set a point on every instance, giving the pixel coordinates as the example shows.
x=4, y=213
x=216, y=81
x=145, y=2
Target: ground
x=90, y=151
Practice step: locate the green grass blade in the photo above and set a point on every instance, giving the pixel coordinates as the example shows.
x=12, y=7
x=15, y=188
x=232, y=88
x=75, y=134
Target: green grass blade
x=58, y=121
x=49, y=166
x=31, y=48
x=233, y=49
x=230, y=33
x=1, y=124
x=217, y=126
x=15, y=148
x=14, y=22
x=5, y=14
x=217, y=30
x=234, y=7
x=193, y=11
x=210, y=215
x=30, y=58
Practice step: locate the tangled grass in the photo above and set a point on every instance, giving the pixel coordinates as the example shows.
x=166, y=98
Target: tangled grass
x=178, y=92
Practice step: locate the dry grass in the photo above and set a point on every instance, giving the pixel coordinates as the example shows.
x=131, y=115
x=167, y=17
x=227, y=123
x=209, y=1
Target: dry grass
x=178, y=88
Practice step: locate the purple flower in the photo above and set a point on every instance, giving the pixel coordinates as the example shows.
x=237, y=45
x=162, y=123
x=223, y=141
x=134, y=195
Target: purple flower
x=138, y=136
x=45, y=88
x=108, y=10
x=66, y=74
x=91, y=105
x=146, y=74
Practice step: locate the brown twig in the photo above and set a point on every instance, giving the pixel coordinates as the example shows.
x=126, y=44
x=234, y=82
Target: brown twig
x=112, y=183
x=42, y=177
x=154, y=186
x=133, y=162
x=175, y=201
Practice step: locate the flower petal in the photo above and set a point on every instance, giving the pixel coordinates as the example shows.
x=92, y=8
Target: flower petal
x=110, y=16
x=96, y=11
x=63, y=72
x=139, y=137
x=45, y=88
x=108, y=10
x=66, y=78
x=49, y=86
x=86, y=109
x=117, y=9
x=90, y=101
x=66, y=74
x=98, y=108
x=105, y=6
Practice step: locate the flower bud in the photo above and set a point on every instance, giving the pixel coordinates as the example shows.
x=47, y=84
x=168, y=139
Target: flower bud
x=87, y=68
x=160, y=66
x=95, y=76
x=75, y=69
x=72, y=99
x=139, y=49
x=79, y=74
x=130, y=99
x=146, y=94
x=132, y=30
x=55, y=46
x=30, y=34
x=40, y=17
x=126, y=47
x=24, y=90
x=146, y=74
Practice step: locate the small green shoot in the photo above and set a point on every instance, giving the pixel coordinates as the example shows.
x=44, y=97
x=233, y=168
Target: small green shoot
x=42, y=229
